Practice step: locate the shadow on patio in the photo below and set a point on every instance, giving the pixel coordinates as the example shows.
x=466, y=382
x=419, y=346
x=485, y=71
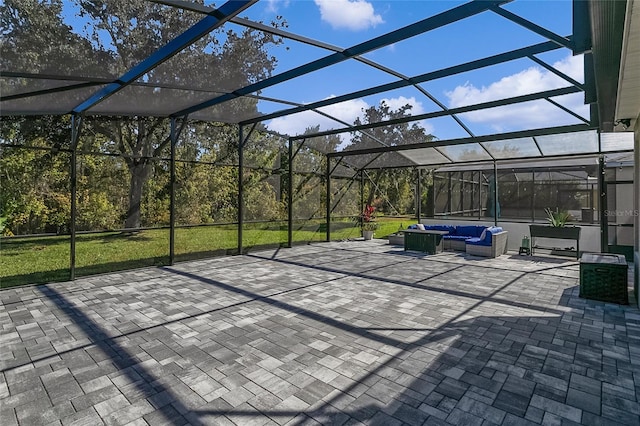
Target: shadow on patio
x=368, y=340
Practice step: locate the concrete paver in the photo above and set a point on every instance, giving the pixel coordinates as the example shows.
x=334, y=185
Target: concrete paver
x=328, y=333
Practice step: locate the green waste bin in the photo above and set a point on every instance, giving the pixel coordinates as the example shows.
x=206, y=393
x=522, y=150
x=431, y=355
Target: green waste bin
x=604, y=277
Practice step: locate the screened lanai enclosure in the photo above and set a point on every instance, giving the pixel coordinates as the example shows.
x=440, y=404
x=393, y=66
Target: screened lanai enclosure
x=152, y=132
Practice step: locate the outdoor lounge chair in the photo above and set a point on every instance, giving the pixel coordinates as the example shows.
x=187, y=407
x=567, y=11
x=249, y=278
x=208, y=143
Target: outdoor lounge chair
x=492, y=244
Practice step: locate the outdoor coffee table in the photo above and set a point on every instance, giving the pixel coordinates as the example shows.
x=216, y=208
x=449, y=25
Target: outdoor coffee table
x=428, y=241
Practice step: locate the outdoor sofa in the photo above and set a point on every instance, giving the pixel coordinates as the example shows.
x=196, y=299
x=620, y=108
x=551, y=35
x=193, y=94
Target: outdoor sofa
x=477, y=240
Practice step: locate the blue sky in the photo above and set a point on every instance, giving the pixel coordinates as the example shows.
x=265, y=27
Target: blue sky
x=346, y=23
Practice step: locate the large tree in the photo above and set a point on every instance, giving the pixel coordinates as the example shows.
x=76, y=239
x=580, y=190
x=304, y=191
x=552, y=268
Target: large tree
x=106, y=38
x=393, y=188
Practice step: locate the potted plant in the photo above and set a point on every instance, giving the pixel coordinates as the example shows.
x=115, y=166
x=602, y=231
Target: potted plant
x=368, y=222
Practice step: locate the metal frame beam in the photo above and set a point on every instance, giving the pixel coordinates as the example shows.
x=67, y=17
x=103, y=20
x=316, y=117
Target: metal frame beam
x=556, y=71
x=567, y=110
x=240, y=187
x=459, y=110
x=194, y=7
x=58, y=77
x=82, y=81
x=434, y=75
x=212, y=21
x=361, y=197
x=499, y=161
x=452, y=15
x=290, y=192
x=369, y=135
x=581, y=155
x=328, y=196
x=241, y=143
x=174, y=135
x=48, y=91
x=462, y=141
x=443, y=107
x=172, y=193
x=418, y=194
x=535, y=141
x=561, y=41
x=76, y=127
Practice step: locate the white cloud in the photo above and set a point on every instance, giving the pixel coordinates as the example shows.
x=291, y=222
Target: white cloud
x=274, y=5
x=530, y=114
x=346, y=111
x=296, y=124
x=353, y=15
x=397, y=103
x=573, y=66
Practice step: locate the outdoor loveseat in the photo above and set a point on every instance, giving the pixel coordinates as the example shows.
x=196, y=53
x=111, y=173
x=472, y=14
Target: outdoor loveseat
x=477, y=240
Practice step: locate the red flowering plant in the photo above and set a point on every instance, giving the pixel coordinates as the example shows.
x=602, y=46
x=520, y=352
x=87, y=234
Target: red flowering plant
x=368, y=219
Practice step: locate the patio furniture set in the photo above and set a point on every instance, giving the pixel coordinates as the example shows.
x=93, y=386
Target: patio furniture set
x=603, y=276
x=477, y=240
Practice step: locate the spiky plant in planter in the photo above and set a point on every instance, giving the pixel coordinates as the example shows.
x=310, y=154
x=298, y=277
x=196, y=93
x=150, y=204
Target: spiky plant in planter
x=557, y=218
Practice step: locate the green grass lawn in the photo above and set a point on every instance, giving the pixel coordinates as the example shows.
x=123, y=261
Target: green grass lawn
x=45, y=259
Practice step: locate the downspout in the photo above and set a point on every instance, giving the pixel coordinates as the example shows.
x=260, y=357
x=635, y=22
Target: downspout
x=418, y=194
x=604, y=223
x=495, y=191
x=328, y=202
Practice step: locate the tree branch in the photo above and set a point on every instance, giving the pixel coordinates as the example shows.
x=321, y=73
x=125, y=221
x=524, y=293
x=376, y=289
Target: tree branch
x=164, y=143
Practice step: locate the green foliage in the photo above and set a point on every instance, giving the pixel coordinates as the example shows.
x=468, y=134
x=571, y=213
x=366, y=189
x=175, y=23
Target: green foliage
x=4, y=231
x=35, y=194
x=557, y=218
x=370, y=226
x=205, y=194
x=260, y=200
x=264, y=183
x=96, y=212
x=123, y=176
x=106, y=47
x=102, y=191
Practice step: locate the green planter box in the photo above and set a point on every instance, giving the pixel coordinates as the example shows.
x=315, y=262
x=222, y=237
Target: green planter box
x=604, y=277
x=562, y=233
x=565, y=233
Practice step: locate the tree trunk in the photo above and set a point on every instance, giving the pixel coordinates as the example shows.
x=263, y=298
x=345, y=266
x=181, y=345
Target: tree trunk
x=139, y=173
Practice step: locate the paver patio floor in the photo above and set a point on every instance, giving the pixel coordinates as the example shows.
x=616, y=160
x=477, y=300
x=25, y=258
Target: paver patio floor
x=328, y=333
